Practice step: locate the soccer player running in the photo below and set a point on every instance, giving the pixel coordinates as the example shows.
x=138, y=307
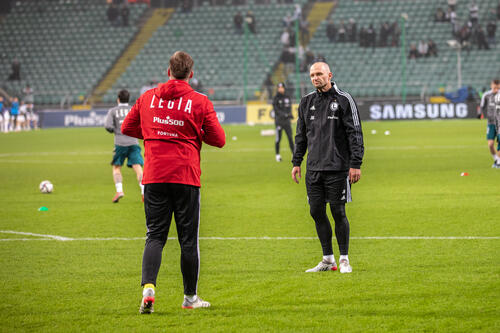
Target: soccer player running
x=173, y=120
x=282, y=105
x=329, y=128
x=487, y=108
x=126, y=147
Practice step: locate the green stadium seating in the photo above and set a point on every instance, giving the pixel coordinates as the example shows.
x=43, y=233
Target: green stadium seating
x=378, y=72
x=65, y=49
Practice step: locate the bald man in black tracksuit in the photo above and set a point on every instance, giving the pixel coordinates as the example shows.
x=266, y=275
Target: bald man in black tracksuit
x=282, y=105
x=329, y=128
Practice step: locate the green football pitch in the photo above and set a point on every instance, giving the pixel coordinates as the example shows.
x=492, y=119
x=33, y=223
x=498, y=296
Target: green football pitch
x=425, y=240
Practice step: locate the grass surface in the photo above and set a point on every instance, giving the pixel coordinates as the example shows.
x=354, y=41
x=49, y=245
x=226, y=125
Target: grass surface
x=410, y=186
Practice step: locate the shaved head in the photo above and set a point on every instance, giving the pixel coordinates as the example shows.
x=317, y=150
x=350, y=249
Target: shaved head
x=321, y=76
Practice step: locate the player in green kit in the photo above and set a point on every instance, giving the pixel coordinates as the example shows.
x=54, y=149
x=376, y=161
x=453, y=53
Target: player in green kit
x=126, y=147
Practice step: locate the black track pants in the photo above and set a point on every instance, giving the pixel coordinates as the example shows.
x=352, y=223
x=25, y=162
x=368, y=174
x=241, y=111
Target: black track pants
x=160, y=202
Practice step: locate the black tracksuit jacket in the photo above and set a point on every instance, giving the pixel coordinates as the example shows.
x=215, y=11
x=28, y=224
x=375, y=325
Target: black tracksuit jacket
x=282, y=105
x=329, y=128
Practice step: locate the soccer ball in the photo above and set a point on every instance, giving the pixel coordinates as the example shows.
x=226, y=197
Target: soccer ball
x=46, y=186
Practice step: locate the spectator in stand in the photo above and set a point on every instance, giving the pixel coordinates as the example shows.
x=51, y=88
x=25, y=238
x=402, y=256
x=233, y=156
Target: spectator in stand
x=238, y=23
x=342, y=32
x=453, y=18
x=395, y=33
x=304, y=30
x=423, y=49
x=124, y=13
x=371, y=36
x=482, y=43
x=287, y=20
x=250, y=20
x=308, y=61
x=331, y=31
x=113, y=14
x=291, y=38
x=498, y=10
x=439, y=16
x=384, y=33
x=473, y=12
x=352, y=30
x=285, y=38
x=362, y=37
x=413, y=54
x=452, y=4
x=491, y=30
x=432, y=48
x=464, y=36
x=15, y=75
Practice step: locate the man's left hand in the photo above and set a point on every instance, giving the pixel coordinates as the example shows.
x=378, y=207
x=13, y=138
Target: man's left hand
x=354, y=175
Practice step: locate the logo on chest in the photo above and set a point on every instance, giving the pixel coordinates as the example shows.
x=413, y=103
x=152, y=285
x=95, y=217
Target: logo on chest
x=333, y=110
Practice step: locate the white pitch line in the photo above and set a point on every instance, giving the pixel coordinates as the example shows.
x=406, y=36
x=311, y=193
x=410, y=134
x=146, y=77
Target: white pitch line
x=66, y=239
x=55, y=237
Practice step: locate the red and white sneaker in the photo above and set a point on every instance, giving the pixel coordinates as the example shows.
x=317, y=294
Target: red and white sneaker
x=323, y=266
x=148, y=301
x=117, y=197
x=197, y=303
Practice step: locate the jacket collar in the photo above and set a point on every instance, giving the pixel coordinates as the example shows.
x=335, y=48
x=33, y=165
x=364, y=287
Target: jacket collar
x=332, y=91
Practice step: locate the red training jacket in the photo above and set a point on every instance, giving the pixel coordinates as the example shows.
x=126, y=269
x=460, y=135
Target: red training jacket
x=173, y=120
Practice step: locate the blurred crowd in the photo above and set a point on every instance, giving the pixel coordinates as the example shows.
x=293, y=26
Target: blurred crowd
x=18, y=114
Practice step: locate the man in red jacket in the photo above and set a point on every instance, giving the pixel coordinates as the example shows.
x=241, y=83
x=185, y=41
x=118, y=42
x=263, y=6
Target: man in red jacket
x=173, y=120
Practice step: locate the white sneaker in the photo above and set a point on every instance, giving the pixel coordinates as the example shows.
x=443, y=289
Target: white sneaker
x=344, y=266
x=323, y=266
x=148, y=301
x=197, y=303
x=278, y=158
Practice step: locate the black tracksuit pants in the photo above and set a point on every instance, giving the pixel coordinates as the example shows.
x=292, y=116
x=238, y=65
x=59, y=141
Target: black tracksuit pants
x=160, y=202
x=280, y=126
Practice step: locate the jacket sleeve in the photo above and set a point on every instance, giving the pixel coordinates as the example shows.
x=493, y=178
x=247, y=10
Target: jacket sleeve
x=300, y=137
x=131, y=125
x=212, y=132
x=275, y=103
x=108, y=123
x=352, y=125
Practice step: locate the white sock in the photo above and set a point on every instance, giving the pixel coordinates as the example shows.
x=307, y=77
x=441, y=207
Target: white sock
x=494, y=156
x=497, y=158
x=190, y=298
x=147, y=291
x=142, y=188
x=330, y=258
x=119, y=187
x=344, y=257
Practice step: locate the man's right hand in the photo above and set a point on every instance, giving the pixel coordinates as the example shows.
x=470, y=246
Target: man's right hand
x=295, y=173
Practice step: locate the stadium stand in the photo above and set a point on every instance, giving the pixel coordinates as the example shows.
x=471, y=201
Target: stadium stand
x=377, y=71
x=68, y=49
x=207, y=33
x=64, y=47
